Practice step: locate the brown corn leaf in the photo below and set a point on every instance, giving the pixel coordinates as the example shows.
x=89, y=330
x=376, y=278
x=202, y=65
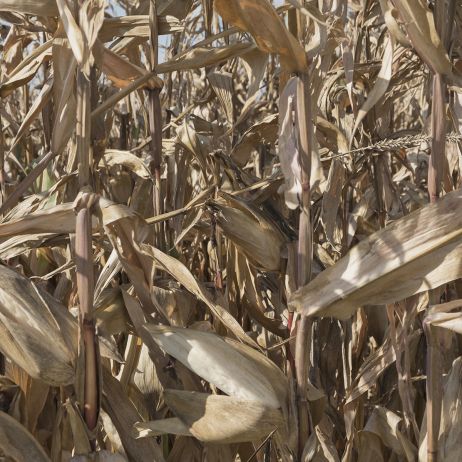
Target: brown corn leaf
x=39, y=103
x=28, y=319
x=73, y=31
x=420, y=25
x=120, y=71
x=124, y=415
x=114, y=157
x=27, y=69
x=225, y=367
x=261, y=132
x=203, y=57
x=183, y=276
x=136, y=26
x=416, y=253
x=252, y=233
x=259, y=18
x=222, y=84
x=380, y=86
x=37, y=7
x=17, y=444
x=171, y=425
x=222, y=419
x=57, y=220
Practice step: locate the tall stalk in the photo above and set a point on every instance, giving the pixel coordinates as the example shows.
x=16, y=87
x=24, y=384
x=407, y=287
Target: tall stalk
x=83, y=252
x=304, y=253
x=155, y=125
x=436, y=171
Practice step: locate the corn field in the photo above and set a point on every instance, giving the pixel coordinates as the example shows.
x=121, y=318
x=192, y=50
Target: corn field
x=230, y=230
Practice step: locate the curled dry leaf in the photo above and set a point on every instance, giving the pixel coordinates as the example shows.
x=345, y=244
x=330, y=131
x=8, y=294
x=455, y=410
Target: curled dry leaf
x=380, y=86
x=27, y=69
x=222, y=419
x=114, y=157
x=261, y=132
x=259, y=18
x=208, y=247
x=225, y=366
x=288, y=151
x=386, y=425
x=253, y=234
x=418, y=252
x=124, y=415
x=28, y=320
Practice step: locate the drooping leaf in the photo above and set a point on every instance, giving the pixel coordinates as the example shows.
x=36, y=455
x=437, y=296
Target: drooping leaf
x=418, y=252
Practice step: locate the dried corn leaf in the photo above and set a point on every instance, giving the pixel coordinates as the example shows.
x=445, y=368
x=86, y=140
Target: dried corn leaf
x=17, y=444
x=440, y=316
x=73, y=31
x=27, y=69
x=203, y=57
x=171, y=425
x=64, y=65
x=37, y=7
x=39, y=103
x=28, y=319
x=222, y=84
x=126, y=230
x=255, y=63
x=288, y=151
x=380, y=86
x=451, y=414
x=261, y=132
x=120, y=71
x=183, y=276
x=259, y=18
x=222, y=419
x=331, y=199
x=136, y=26
x=386, y=425
x=415, y=253
x=225, y=366
x=114, y=157
x=252, y=233
x=419, y=23
x=57, y=220
x=124, y=415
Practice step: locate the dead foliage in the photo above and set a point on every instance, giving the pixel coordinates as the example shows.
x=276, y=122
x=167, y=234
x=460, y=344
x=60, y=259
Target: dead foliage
x=230, y=230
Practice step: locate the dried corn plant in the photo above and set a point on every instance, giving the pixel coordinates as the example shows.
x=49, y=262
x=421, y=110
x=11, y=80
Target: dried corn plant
x=230, y=230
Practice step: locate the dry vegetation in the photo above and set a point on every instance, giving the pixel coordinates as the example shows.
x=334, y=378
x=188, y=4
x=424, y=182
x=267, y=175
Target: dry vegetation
x=230, y=230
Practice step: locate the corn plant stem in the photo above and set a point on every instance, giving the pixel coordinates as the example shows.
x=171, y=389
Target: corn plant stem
x=304, y=255
x=2, y=165
x=83, y=249
x=2, y=198
x=155, y=125
x=438, y=123
x=155, y=128
x=434, y=391
x=83, y=128
x=435, y=176
x=85, y=287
